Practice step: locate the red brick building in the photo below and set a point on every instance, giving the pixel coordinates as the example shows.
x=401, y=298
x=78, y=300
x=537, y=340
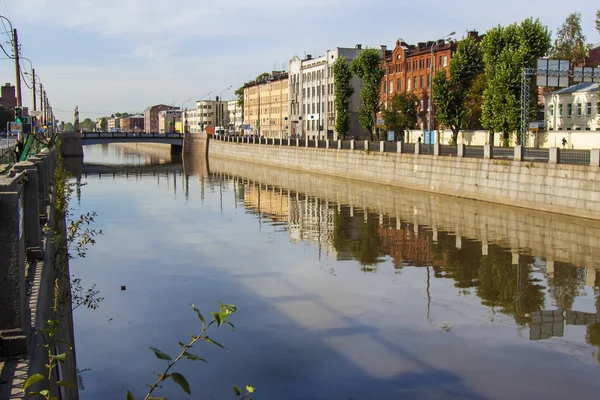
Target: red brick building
x=408, y=68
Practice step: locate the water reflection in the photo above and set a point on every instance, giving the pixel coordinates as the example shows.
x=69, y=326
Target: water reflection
x=351, y=290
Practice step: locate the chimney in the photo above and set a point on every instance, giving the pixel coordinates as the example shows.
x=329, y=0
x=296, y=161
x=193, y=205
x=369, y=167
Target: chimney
x=358, y=46
x=473, y=34
x=383, y=50
x=309, y=57
x=217, y=98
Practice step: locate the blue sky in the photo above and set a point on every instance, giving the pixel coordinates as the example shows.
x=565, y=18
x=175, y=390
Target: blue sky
x=122, y=55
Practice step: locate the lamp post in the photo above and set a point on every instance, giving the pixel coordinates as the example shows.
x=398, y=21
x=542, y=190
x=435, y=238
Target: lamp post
x=183, y=115
x=202, y=105
x=429, y=101
x=221, y=99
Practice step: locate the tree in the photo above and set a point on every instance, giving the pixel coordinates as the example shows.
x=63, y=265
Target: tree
x=343, y=90
x=401, y=114
x=88, y=125
x=68, y=127
x=450, y=90
x=104, y=124
x=598, y=21
x=367, y=67
x=506, y=51
x=570, y=41
x=473, y=102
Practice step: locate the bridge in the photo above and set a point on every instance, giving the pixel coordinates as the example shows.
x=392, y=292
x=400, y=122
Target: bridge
x=90, y=138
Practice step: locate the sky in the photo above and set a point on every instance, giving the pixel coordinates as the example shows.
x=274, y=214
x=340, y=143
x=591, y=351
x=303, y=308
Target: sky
x=108, y=56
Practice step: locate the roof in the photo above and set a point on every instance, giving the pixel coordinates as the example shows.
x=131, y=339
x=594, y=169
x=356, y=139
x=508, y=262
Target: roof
x=580, y=87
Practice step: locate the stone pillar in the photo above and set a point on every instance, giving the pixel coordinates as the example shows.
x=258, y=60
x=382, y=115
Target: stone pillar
x=339, y=144
x=71, y=144
x=12, y=255
x=316, y=143
x=366, y=145
x=595, y=157
x=381, y=146
x=458, y=242
x=484, y=249
x=550, y=268
x=306, y=142
x=30, y=206
x=289, y=142
x=436, y=149
x=297, y=142
x=590, y=276
x=518, y=153
x=488, y=151
x=253, y=140
x=327, y=144
x=515, y=257
x=417, y=148
x=399, y=147
x=435, y=234
x=352, y=144
x=553, y=155
x=460, y=150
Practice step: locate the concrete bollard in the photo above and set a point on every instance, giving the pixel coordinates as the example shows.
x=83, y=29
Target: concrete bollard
x=553, y=155
x=381, y=146
x=417, y=148
x=316, y=143
x=289, y=142
x=352, y=144
x=253, y=140
x=339, y=144
x=460, y=150
x=487, y=151
x=399, y=146
x=518, y=153
x=297, y=142
x=436, y=149
x=595, y=157
x=366, y=145
x=327, y=144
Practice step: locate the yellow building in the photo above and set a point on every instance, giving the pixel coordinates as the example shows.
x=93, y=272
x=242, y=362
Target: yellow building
x=270, y=108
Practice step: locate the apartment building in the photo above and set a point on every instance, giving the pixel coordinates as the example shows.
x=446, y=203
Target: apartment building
x=266, y=106
x=167, y=120
x=132, y=123
x=573, y=109
x=312, y=96
x=151, y=116
x=206, y=113
x=234, y=116
x=114, y=124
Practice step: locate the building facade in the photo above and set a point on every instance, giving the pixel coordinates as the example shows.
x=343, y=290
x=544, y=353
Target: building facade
x=234, y=116
x=206, y=113
x=266, y=106
x=114, y=124
x=151, y=117
x=167, y=120
x=8, y=99
x=573, y=109
x=312, y=96
x=132, y=123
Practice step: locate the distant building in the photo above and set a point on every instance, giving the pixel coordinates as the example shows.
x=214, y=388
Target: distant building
x=151, y=117
x=114, y=124
x=206, y=113
x=234, y=116
x=268, y=112
x=167, y=120
x=573, y=109
x=8, y=99
x=593, y=58
x=312, y=95
x=132, y=123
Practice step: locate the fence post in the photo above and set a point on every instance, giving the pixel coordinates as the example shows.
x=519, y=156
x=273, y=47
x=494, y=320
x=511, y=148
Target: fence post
x=518, y=153
x=366, y=145
x=436, y=149
x=417, y=148
x=327, y=143
x=487, y=151
x=460, y=150
x=316, y=143
x=352, y=144
x=381, y=146
x=297, y=142
x=553, y=155
x=595, y=157
x=339, y=144
x=399, y=147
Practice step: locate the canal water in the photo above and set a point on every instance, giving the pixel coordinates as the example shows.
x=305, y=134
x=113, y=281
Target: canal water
x=344, y=290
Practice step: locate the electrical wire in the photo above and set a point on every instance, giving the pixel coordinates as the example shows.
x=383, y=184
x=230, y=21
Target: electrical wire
x=7, y=55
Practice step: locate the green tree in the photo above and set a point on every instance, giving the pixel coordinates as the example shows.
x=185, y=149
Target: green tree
x=598, y=21
x=104, y=124
x=570, y=41
x=473, y=102
x=401, y=114
x=450, y=90
x=506, y=51
x=368, y=68
x=88, y=125
x=68, y=127
x=343, y=90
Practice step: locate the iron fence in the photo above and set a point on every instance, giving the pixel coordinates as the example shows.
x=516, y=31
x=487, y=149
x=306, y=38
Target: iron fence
x=390, y=147
x=408, y=148
x=311, y=143
x=374, y=146
x=346, y=144
x=537, y=155
x=426, y=149
x=322, y=144
x=359, y=145
x=503, y=152
x=571, y=156
x=474, y=151
x=448, y=150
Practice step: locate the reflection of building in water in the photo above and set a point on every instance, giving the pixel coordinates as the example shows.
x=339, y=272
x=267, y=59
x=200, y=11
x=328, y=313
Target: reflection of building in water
x=406, y=246
x=548, y=323
x=312, y=219
x=269, y=203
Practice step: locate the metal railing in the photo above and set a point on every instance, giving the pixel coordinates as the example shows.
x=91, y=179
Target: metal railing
x=474, y=151
x=345, y=144
x=322, y=144
x=507, y=153
x=374, y=146
x=448, y=150
x=359, y=145
x=538, y=155
x=408, y=148
x=572, y=156
x=390, y=147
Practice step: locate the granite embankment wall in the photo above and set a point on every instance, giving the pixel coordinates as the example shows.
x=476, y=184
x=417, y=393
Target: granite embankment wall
x=560, y=188
x=554, y=237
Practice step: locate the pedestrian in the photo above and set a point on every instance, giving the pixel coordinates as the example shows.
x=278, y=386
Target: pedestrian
x=564, y=142
x=419, y=139
x=19, y=148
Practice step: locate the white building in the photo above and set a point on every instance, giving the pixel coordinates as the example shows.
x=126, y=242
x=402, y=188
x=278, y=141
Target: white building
x=573, y=109
x=234, y=116
x=206, y=113
x=167, y=119
x=311, y=95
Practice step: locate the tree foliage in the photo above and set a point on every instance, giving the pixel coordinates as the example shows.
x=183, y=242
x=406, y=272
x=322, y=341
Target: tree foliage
x=473, y=102
x=343, y=90
x=570, y=41
x=598, y=21
x=68, y=127
x=401, y=114
x=103, y=124
x=87, y=125
x=506, y=51
x=368, y=68
x=450, y=90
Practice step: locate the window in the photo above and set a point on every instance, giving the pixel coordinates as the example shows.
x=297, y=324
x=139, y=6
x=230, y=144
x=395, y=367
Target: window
x=304, y=92
x=398, y=86
x=391, y=86
x=323, y=90
x=303, y=108
x=318, y=107
x=551, y=110
x=313, y=125
x=408, y=84
x=428, y=63
x=422, y=77
x=428, y=80
x=313, y=108
x=579, y=109
x=385, y=87
x=421, y=105
x=445, y=61
x=560, y=109
x=441, y=60
x=569, y=110
x=313, y=91
x=416, y=83
x=588, y=109
x=397, y=68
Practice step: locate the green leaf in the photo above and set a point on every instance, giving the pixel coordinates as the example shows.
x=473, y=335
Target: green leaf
x=61, y=357
x=230, y=324
x=66, y=384
x=250, y=389
x=160, y=354
x=181, y=381
x=181, y=344
x=200, y=317
x=33, y=379
x=237, y=391
x=209, y=340
x=130, y=396
x=194, y=357
x=218, y=318
x=157, y=398
x=44, y=392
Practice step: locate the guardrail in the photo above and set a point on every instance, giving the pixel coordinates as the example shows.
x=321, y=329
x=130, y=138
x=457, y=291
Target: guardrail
x=96, y=135
x=518, y=153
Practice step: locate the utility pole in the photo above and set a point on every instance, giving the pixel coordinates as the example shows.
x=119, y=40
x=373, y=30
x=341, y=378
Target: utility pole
x=42, y=99
x=17, y=67
x=33, y=88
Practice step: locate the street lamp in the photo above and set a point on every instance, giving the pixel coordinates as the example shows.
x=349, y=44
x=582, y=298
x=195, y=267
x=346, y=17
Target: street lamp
x=183, y=115
x=221, y=99
x=429, y=102
x=202, y=114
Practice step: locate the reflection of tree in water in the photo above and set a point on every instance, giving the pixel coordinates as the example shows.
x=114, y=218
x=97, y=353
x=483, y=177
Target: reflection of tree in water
x=509, y=287
x=358, y=237
x=462, y=264
x=592, y=335
x=566, y=284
